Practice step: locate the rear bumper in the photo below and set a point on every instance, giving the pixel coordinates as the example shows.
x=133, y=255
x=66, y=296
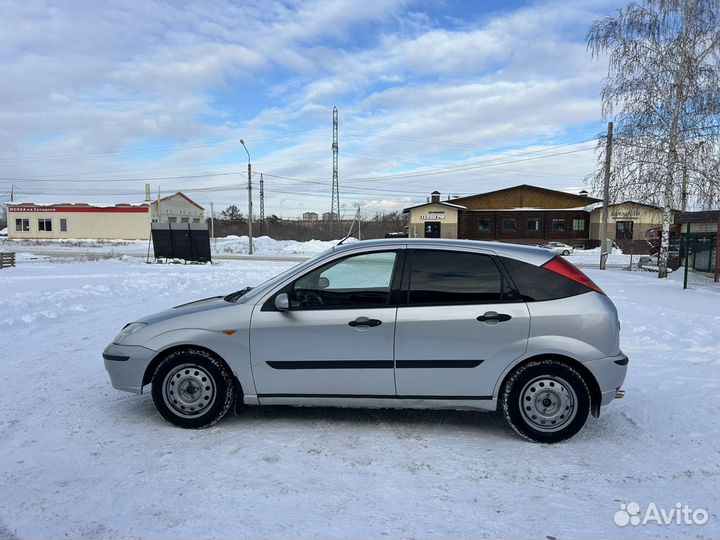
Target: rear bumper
x=610, y=374
x=126, y=365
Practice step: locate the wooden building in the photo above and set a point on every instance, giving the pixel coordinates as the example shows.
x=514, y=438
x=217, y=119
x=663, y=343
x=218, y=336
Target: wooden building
x=521, y=214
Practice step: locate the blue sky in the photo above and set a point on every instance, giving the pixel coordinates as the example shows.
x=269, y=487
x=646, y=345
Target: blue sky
x=463, y=97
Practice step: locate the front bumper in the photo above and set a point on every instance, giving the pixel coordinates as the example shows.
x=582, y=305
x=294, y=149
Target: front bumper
x=610, y=374
x=126, y=365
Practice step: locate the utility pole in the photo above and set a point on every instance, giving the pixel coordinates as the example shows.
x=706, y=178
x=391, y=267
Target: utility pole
x=250, y=211
x=335, y=199
x=12, y=193
x=359, y=222
x=606, y=197
x=263, y=226
x=212, y=222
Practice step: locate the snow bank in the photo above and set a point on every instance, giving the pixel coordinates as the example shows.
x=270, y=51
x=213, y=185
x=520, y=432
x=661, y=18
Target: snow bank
x=262, y=245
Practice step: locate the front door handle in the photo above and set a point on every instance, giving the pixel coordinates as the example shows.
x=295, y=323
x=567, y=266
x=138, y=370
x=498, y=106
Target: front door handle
x=490, y=316
x=364, y=321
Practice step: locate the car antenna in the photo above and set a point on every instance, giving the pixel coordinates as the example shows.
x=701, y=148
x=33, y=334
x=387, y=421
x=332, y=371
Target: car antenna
x=357, y=217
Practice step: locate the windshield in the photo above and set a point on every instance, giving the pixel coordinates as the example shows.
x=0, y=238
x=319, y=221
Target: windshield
x=270, y=283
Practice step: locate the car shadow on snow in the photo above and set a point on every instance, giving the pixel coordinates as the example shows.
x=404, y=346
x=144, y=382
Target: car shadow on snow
x=408, y=423
x=433, y=420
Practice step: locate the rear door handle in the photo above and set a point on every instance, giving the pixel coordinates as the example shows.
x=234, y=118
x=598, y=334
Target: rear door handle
x=364, y=321
x=494, y=316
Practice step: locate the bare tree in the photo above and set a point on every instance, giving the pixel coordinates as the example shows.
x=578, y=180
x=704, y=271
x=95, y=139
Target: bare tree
x=663, y=86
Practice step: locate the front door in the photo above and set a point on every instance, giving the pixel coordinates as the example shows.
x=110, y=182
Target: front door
x=432, y=229
x=623, y=230
x=460, y=329
x=337, y=337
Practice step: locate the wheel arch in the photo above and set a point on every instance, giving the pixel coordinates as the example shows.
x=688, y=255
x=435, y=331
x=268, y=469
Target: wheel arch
x=159, y=357
x=588, y=377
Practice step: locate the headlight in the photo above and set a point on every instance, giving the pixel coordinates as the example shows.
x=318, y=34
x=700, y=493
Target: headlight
x=128, y=329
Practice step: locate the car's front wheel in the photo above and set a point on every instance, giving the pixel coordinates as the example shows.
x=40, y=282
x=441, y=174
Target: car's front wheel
x=546, y=401
x=566, y=253
x=192, y=389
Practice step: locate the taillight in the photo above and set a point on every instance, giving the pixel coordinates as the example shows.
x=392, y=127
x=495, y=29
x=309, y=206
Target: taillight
x=570, y=271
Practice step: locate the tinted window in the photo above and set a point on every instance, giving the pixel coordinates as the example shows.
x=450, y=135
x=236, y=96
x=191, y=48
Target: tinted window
x=446, y=277
x=536, y=283
x=360, y=280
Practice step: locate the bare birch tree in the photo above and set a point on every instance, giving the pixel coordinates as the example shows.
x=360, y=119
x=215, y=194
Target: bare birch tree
x=663, y=89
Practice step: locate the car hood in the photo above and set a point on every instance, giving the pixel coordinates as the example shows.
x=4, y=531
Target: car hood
x=206, y=304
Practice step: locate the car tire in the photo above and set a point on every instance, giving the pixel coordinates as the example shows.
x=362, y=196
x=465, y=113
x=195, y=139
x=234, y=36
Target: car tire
x=566, y=253
x=546, y=401
x=192, y=389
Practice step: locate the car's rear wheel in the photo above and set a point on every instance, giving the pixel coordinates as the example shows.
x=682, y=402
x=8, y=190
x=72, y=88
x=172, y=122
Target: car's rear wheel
x=546, y=401
x=192, y=389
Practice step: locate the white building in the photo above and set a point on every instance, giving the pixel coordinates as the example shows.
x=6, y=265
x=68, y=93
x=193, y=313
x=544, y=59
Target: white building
x=177, y=208
x=30, y=221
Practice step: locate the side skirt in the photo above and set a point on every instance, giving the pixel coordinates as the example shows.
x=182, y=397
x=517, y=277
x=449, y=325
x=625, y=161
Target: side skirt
x=482, y=403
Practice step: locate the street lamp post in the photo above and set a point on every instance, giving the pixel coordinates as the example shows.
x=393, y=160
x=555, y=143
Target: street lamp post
x=250, y=210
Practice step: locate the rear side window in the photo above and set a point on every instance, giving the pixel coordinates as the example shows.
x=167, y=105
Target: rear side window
x=536, y=284
x=446, y=277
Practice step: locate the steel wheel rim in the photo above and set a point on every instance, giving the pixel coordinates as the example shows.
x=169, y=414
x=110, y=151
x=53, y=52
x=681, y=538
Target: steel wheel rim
x=548, y=403
x=189, y=390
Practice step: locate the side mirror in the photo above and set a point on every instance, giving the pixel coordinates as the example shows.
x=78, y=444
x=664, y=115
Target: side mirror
x=323, y=283
x=282, y=302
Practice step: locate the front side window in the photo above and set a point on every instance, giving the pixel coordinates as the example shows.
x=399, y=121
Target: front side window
x=578, y=224
x=45, y=225
x=356, y=281
x=558, y=224
x=22, y=225
x=509, y=225
x=484, y=225
x=447, y=277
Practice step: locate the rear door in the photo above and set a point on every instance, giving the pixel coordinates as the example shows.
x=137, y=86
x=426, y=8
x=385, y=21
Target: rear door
x=459, y=328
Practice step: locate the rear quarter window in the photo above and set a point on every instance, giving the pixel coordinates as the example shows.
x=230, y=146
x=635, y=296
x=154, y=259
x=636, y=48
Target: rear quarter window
x=537, y=284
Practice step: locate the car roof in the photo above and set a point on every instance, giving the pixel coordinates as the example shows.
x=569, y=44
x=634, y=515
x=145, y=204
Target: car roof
x=529, y=254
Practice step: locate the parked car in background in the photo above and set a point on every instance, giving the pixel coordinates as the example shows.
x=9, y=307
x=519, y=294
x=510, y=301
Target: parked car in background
x=673, y=250
x=416, y=323
x=559, y=248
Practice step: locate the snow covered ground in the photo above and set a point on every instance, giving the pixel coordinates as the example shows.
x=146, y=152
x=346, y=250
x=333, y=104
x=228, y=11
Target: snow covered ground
x=80, y=459
x=262, y=245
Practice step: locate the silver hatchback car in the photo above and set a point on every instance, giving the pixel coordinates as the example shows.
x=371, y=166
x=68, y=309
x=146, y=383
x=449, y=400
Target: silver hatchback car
x=390, y=323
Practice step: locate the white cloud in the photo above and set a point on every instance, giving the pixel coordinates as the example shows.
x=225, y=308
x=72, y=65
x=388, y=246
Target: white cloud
x=87, y=78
